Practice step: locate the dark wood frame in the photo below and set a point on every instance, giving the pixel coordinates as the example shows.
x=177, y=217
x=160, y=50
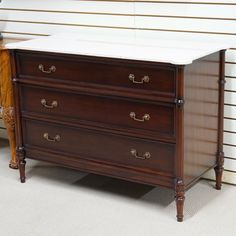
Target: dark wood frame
x=178, y=185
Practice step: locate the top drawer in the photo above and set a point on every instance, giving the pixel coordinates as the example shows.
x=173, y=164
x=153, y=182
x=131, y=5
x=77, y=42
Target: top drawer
x=113, y=74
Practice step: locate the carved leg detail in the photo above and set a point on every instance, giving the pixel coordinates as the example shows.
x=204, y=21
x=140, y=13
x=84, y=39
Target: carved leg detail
x=21, y=160
x=8, y=118
x=179, y=198
x=219, y=170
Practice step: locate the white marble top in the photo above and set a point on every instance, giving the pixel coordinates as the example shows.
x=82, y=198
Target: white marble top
x=176, y=52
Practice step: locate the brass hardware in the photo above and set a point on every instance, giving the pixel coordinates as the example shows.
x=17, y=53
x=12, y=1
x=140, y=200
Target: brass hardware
x=53, y=104
x=145, y=156
x=145, y=117
x=179, y=102
x=57, y=138
x=49, y=71
x=145, y=79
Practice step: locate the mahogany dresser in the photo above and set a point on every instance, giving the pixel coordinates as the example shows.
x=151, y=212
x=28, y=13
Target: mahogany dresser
x=149, y=121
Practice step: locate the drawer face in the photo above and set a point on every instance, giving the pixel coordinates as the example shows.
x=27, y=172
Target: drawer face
x=149, y=80
x=100, y=147
x=139, y=117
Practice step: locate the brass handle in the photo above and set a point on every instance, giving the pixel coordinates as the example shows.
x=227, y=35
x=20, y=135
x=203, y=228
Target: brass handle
x=53, y=104
x=57, y=138
x=144, y=118
x=145, y=156
x=49, y=71
x=145, y=79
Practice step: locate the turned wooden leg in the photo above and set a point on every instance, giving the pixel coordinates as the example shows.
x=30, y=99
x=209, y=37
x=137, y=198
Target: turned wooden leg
x=179, y=198
x=8, y=118
x=21, y=162
x=219, y=170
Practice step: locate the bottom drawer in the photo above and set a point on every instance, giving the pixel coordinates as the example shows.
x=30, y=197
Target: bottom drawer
x=101, y=147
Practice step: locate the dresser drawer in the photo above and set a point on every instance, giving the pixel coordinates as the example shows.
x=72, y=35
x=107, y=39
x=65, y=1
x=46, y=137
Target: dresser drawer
x=100, y=146
x=89, y=72
x=129, y=115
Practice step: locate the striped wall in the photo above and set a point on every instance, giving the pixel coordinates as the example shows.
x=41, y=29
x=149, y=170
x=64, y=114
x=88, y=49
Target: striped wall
x=209, y=20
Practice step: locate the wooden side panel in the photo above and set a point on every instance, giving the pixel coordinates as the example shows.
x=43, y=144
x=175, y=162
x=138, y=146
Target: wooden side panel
x=201, y=116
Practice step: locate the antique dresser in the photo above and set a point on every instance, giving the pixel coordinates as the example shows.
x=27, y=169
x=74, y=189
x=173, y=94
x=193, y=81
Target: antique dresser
x=148, y=113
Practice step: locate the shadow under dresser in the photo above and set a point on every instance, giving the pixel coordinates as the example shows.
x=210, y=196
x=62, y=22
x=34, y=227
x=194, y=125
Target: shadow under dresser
x=151, y=122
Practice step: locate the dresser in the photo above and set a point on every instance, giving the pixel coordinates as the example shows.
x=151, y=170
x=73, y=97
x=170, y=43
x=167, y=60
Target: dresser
x=154, y=116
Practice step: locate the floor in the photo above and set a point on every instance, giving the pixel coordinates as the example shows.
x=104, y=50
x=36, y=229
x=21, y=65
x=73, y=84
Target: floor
x=56, y=201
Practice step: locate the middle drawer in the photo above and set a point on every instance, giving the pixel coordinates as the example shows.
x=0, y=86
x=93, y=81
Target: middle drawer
x=109, y=112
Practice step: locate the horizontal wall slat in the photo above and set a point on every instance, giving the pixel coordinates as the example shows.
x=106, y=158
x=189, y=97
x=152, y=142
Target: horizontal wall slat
x=71, y=6
x=229, y=138
x=230, y=84
x=230, y=125
x=230, y=112
x=230, y=98
x=230, y=164
x=186, y=10
x=230, y=56
x=186, y=24
x=230, y=151
x=158, y=23
x=64, y=18
x=43, y=29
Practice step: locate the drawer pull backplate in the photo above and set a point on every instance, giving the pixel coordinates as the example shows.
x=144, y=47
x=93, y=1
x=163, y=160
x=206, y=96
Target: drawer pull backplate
x=49, y=71
x=57, y=138
x=145, y=79
x=53, y=104
x=144, y=118
x=145, y=156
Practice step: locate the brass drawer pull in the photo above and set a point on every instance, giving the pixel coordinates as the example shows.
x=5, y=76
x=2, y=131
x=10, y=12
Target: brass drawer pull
x=145, y=79
x=53, y=104
x=144, y=118
x=49, y=71
x=145, y=156
x=57, y=138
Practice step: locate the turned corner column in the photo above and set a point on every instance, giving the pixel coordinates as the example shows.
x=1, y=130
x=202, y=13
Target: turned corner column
x=179, y=198
x=219, y=168
x=20, y=152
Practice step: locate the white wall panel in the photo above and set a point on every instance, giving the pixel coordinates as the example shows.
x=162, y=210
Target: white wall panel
x=230, y=111
x=230, y=151
x=70, y=6
x=186, y=24
x=230, y=84
x=231, y=55
x=68, y=18
x=230, y=125
x=230, y=70
x=185, y=10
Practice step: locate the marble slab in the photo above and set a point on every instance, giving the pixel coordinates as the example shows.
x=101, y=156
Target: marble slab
x=178, y=52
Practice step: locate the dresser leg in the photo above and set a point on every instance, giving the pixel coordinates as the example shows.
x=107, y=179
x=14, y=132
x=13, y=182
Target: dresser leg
x=8, y=118
x=21, y=160
x=219, y=170
x=179, y=198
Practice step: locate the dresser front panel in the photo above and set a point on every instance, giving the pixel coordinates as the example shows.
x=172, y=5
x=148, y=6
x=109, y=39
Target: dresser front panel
x=157, y=119
x=141, y=154
x=119, y=75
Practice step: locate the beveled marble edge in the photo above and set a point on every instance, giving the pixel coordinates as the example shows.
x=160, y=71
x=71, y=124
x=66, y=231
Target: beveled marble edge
x=159, y=50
